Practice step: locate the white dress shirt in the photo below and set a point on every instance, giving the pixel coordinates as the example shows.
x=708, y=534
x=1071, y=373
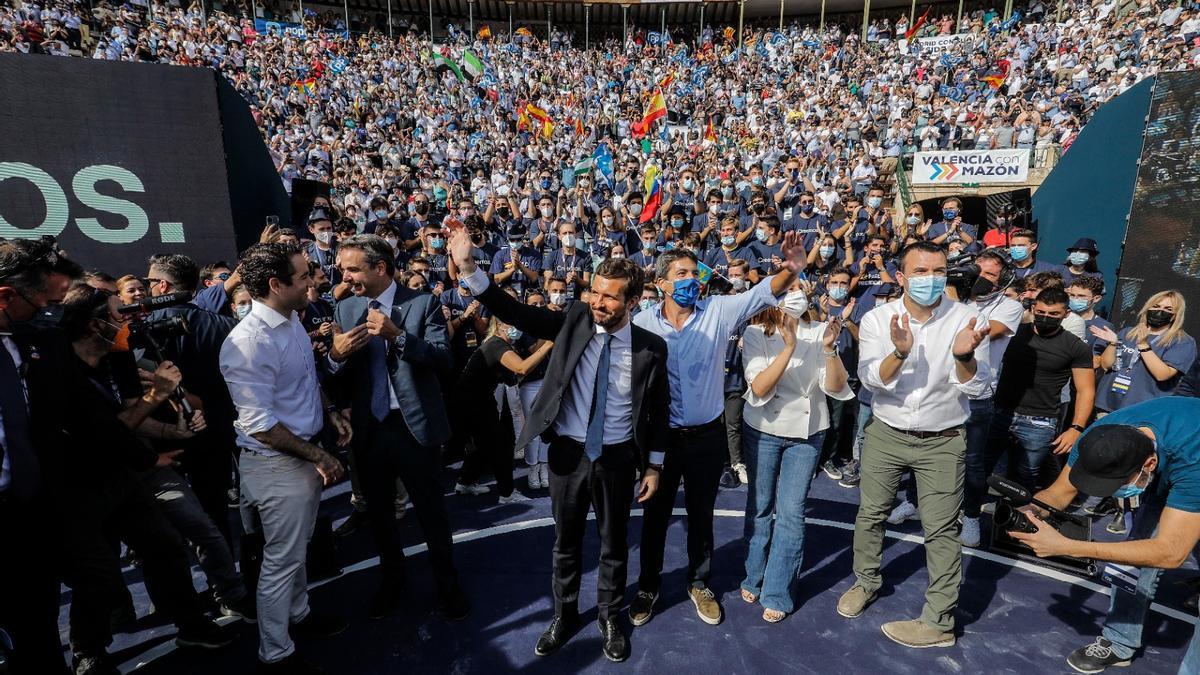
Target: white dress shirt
x=795, y=407
x=268, y=365
x=576, y=407
x=926, y=394
x=1007, y=311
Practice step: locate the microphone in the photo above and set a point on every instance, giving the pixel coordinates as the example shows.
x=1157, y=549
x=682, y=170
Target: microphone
x=156, y=302
x=1010, y=490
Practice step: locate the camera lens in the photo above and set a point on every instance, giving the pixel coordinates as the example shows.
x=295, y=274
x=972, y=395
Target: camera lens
x=1007, y=518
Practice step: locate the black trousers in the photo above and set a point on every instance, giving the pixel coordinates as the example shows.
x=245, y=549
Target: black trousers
x=492, y=449
x=388, y=452
x=734, y=405
x=30, y=575
x=208, y=463
x=839, y=438
x=697, y=456
x=606, y=486
x=120, y=505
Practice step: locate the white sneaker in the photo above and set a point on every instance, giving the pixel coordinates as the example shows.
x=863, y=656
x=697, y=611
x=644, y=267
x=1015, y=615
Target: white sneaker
x=905, y=511
x=535, y=476
x=970, y=532
x=740, y=470
x=514, y=497
x=470, y=489
x=544, y=472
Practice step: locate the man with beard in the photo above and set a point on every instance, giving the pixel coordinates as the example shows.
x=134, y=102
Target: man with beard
x=603, y=408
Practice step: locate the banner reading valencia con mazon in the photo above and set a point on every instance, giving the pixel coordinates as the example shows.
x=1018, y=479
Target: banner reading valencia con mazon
x=980, y=167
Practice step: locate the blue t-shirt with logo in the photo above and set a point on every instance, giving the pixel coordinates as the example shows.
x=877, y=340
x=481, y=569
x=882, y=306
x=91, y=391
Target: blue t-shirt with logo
x=1175, y=421
x=1130, y=381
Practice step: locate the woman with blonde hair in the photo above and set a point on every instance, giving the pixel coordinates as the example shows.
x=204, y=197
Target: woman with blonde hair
x=791, y=365
x=1146, y=360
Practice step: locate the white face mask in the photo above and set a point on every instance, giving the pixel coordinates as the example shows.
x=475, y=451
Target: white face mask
x=558, y=299
x=608, y=221
x=635, y=210
x=568, y=240
x=392, y=241
x=547, y=211
x=794, y=304
x=324, y=237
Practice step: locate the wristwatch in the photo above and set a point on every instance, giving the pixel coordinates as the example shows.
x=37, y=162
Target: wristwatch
x=1147, y=349
x=399, y=341
x=1077, y=427
x=898, y=354
x=330, y=409
x=964, y=358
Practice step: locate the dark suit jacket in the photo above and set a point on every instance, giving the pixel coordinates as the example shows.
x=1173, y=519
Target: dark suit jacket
x=198, y=354
x=415, y=375
x=572, y=330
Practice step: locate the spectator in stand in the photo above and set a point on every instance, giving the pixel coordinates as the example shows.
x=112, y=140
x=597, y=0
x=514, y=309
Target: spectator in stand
x=1022, y=248
x=1081, y=261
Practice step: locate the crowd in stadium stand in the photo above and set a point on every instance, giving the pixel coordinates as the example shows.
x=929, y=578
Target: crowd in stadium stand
x=475, y=176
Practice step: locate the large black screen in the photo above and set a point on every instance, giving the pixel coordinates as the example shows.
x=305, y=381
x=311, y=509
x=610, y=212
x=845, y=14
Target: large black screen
x=119, y=160
x=1162, y=244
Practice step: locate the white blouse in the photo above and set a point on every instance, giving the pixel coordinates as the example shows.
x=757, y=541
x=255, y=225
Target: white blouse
x=795, y=407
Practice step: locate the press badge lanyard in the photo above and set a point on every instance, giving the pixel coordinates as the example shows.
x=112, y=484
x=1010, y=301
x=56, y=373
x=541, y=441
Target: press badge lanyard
x=1124, y=378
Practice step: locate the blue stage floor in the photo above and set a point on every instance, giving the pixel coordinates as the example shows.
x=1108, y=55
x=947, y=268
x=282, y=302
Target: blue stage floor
x=1012, y=618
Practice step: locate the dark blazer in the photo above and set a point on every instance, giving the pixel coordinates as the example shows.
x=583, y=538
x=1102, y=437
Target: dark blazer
x=415, y=375
x=572, y=330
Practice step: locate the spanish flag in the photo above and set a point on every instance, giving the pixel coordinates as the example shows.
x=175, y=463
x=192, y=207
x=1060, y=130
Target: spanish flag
x=537, y=113
x=578, y=128
x=912, y=32
x=547, y=129
x=655, y=111
x=666, y=81
x=524, y=32
x=485, y=33
x=710, y=134
x=522, y=120
x=997, y=74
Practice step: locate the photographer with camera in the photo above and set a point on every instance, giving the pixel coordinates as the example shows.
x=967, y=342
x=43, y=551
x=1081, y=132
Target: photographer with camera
x=1149, y=451
x=190, y=336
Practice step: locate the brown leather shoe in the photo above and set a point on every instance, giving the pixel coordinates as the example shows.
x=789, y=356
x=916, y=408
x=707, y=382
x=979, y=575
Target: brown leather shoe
x=917, y=634
x=707, y=607
x=854, y=601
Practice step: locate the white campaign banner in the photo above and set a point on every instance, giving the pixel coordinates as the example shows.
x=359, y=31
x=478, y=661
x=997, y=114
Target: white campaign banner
x=983, y=167
x=939, y=44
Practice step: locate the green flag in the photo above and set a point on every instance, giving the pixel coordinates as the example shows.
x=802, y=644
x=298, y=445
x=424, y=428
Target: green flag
x=472, y=64
x=583, y=167
x=645, y=146
x=440, y=62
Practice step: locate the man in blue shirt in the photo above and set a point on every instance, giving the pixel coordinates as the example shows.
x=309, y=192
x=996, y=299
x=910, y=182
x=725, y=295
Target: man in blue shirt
x=697, y=335
x=1150, y=451
x=518, y=264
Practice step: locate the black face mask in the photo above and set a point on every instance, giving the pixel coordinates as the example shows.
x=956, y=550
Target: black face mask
x=1046, y=325
x=324, y=288
x=422, y=208
x=982, y=287
x=1027, y=303
x=1157, y=318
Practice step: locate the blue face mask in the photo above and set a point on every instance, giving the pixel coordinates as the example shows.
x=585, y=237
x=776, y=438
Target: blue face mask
x=826, y=251
x=649, y=248
x=1078, y=305
x=925, y=290
x=838, y=293
x=874, y=203
x=728, y=241
x=1078, y=258
x=514, y=333
x=756, y=180
x=1018, y=253
x=242, y=311
x=949, y=214
x=806, y=209
x=647, y=304
x=437, y=244
x=760, y=234
x=1131, y=489
x=685, y=292
x=545, y=183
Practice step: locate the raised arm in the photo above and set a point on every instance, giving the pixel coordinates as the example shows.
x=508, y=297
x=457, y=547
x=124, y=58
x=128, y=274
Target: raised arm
x=539, y=322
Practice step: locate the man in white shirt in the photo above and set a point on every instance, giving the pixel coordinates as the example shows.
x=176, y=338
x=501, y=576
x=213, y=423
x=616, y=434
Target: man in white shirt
x=267, y=361
x=917, y=356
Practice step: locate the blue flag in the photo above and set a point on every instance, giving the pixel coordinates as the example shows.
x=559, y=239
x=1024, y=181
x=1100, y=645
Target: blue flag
x=602, y=160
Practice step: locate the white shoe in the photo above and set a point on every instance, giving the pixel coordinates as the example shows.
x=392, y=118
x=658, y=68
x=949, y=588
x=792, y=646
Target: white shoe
x=905, y=511
x=470, y=489
x=535, y=476
x=544, y=471
x=740, y=470
x=970, y=532
x=514, y=497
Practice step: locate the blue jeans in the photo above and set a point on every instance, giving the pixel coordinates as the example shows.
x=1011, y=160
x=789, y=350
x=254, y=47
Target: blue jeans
x=1127, y=611
x=860, y=428
x=977, y=427
x=780, y=471
x=1026, y=439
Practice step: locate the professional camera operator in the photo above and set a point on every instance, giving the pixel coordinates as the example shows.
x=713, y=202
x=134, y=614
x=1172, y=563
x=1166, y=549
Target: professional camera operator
x=99, y=337
x=1149, y=451
x=207, y=458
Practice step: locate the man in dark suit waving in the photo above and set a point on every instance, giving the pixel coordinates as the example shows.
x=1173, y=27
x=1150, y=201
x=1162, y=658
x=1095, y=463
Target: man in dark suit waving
x=603, y=408
x=387, y=364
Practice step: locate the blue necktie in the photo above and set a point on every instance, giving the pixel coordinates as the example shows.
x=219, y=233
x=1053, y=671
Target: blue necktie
x=381, y=400
x=594, y=443
x=22, y=460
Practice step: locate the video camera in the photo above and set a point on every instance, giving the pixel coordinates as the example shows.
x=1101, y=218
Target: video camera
x=1007, y=518
x=150, y=335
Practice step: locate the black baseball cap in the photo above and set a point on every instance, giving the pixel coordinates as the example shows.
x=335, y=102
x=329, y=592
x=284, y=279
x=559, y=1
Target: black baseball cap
x=1109, y=454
